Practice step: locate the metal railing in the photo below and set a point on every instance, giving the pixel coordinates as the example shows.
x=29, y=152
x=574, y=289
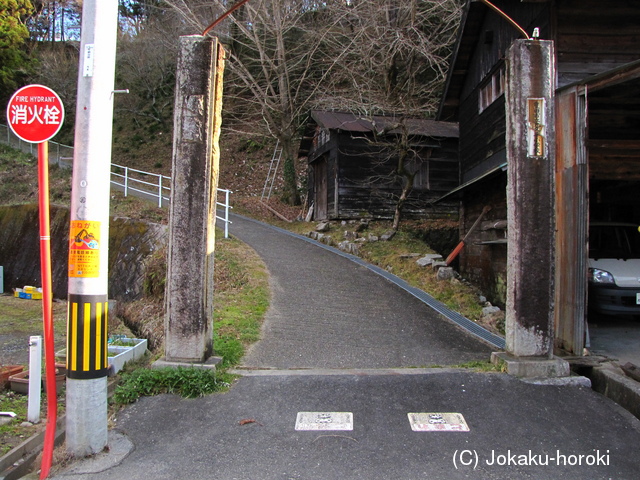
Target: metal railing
x=150, y=186
x=59, y=154
x=226, y=207
x=136, y=181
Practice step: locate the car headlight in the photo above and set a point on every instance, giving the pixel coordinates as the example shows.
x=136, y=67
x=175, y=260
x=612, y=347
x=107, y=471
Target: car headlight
x=600, y=276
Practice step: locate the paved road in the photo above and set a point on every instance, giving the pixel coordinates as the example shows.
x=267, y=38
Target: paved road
x=329, y=312
x=329, y=318
x=549, y=427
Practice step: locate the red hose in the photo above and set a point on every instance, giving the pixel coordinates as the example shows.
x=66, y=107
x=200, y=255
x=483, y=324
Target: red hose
x=47, y=309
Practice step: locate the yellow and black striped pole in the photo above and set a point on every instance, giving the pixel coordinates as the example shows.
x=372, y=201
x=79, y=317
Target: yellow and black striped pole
x=87, y=336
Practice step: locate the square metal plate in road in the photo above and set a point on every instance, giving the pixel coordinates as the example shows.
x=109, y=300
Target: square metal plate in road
x=437, y=422
x=324, y=421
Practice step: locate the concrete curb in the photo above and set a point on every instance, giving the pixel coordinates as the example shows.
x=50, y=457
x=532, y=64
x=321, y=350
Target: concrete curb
x=610, y=381
x=18, y=461
x=363, y=372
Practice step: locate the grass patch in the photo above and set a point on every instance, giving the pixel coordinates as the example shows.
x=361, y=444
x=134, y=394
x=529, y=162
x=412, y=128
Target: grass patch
x=137, y=208
x=456, y=295
x=186, y=382
x=14, y=433
x=24, y=317
x=242, y=299
x=19, y=179
x=481, y=366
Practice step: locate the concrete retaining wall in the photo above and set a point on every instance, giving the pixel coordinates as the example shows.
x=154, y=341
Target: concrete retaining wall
x=130, y=243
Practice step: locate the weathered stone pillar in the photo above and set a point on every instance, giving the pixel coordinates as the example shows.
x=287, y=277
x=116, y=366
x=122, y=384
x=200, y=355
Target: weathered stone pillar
x=197, y=117
x=531, y=212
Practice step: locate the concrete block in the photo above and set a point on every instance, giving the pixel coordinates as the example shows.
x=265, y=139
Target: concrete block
x=323, y=227
x=428, y=259
x=210, y=364
x=572, y=381
x=614, y=384
x=532, y=367
x=445, y=273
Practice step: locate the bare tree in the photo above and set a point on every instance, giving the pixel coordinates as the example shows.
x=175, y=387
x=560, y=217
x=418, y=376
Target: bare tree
x=280, y=54
x=397, y=64
x=55, y=20
x=398, y=61
x=146, y=67
x=366, y=56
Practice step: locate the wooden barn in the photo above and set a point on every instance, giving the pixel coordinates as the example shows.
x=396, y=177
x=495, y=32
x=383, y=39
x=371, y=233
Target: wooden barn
x=352, y=162
x=597, y=135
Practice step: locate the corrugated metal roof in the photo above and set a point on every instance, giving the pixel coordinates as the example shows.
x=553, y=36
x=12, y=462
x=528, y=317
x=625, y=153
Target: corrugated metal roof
x=350, y=122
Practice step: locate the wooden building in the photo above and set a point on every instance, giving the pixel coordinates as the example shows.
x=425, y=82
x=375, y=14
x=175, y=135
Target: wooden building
x=352, y=160
x=597, y=130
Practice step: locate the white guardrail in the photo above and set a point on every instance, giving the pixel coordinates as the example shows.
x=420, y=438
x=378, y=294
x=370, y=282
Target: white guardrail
x=151, y=186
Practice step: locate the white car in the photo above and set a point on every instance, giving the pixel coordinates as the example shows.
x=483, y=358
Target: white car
x=614, y=268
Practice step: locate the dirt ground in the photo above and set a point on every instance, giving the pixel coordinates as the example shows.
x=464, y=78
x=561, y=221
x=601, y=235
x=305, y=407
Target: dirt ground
x=20, y=319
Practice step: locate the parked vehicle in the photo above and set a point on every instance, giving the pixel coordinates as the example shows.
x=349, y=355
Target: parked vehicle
x=614, y=268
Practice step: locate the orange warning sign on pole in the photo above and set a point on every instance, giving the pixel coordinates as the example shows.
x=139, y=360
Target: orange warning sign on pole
x=84, y=249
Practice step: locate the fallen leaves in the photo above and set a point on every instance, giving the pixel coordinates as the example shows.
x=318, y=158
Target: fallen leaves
x=247, y=421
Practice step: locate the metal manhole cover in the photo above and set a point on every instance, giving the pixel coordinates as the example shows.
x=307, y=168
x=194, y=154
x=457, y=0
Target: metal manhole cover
x=437, y=422
x=324, y=421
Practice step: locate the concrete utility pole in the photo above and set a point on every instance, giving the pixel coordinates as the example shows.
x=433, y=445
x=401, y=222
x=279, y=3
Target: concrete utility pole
x=531, y=211
x=86, y=427
x=197, y=119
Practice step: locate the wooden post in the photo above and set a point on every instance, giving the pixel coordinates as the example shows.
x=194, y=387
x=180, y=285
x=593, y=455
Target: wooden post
x=572, y=207
x=197, y=118
x=531, y=212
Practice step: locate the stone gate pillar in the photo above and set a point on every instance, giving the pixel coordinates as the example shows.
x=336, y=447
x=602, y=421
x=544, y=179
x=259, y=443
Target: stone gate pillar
x=197, y=118
x=531, y=211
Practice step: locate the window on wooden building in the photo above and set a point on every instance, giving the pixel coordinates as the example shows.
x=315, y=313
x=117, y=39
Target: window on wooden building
x=421, y=168
x=491, y=90
x=323, y=136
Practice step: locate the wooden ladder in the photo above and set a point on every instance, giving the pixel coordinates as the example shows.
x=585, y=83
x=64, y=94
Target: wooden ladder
x=271, y=175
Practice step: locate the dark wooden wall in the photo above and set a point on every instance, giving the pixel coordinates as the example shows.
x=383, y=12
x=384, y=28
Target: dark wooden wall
x=482, y=135
x=496, y=35
x=485, y=265
x=366, y=188
x=594, y=36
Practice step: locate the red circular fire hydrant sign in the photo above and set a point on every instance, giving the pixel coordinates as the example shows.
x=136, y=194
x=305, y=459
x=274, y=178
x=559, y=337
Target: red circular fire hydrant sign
x=35, y=113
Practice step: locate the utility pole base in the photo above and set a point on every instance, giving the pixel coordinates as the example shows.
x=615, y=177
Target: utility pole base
x=86, y=429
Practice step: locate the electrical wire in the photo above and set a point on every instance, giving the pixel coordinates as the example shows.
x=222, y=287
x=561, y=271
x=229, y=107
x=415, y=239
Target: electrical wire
x=223, y=16
x=507, y=18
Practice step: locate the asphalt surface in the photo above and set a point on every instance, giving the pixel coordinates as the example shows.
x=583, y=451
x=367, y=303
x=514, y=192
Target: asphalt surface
x=329, y=312
x=327, y=394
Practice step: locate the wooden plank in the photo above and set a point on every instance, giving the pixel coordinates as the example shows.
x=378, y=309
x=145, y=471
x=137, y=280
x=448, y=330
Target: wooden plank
x=613, y=144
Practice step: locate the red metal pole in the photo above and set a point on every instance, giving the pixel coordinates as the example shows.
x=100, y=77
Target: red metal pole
x=47, y=309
